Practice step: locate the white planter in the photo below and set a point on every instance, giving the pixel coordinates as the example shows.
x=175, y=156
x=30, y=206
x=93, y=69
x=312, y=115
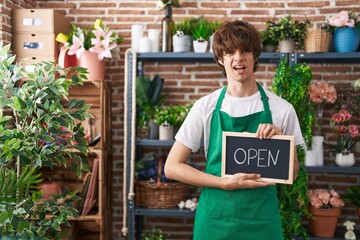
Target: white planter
x=318, y=148
x=200, y=47
x=210, y=42
x=310, y=158
x=345, y=159
x=286, y=46
x=181, y=43
x=166, y=132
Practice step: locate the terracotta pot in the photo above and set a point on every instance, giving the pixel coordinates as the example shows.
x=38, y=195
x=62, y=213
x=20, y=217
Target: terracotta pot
x=95, y=67
x=49, y=188
x=323, y=224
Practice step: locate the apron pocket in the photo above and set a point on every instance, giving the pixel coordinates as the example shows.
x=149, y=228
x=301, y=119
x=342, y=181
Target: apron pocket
x=255, y=203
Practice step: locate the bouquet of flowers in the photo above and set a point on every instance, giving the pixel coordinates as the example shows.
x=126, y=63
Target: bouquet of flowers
x=348, y=134
x=344, y=19
x=321, y=93
x=98, y=39
x=325, y=199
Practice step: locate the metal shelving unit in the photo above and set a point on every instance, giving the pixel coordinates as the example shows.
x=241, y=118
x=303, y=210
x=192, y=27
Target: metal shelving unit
x=189, y=57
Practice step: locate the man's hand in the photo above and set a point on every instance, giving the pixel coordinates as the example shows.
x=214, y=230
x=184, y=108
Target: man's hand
x=244, y=180
x=266, y=131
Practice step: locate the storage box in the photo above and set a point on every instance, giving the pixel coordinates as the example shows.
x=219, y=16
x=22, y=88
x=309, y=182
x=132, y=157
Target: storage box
x=32, y=45
x=28, y=61
x=39, y=21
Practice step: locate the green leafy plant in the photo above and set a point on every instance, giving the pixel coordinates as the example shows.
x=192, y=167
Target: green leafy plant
x=352, y=195
x=148, y=98
x=182, y=27
x=37, y=131
x=155, y=234
x=201, y=29
x=268, y=36
x=291, y=83
x=288, y=29
x=173, y=115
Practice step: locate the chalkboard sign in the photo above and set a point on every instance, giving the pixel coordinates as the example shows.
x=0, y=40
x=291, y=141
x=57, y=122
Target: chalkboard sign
x=272, y=158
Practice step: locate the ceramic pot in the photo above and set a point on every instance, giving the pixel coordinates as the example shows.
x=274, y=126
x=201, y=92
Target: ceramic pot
x=181, y=43
x=317, y=147
x=269, y=48
x=310, y=158
x=286, y=46
x=200, y=47
x=94, y=66
x=346, y=39
x=166, y=132
x=345, y=159
x=323, y=224
x=154, y=130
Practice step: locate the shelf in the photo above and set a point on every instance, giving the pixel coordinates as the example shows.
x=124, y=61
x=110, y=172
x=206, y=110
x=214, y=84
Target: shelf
x=165, y=212
x=333, y=169
x=328, y=57
x=207, y=57
x=154, y=143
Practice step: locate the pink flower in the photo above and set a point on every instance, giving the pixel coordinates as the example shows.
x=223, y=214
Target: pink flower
x=102, y=48
x=336, y=202
x=322, y=198
x=78, y=46
x=340, y=19
x=353, y=130
x=322, y=92
x=346, y=115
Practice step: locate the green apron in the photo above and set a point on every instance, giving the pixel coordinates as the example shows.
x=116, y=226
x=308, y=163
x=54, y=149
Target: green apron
x=249, y=214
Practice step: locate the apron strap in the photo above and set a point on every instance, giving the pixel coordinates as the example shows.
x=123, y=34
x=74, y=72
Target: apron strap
x=264, y=98
x=221, y=97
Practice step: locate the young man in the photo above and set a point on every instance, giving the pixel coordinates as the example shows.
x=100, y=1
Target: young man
x=239, y=207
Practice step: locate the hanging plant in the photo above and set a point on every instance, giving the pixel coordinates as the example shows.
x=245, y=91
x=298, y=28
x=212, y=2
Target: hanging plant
x=291, y=83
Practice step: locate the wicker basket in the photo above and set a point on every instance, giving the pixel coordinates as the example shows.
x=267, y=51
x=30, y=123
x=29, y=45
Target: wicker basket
x=157, y=194
x=317, y=40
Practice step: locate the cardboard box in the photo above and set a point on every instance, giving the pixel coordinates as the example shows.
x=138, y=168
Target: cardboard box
x=39, y=21
x=28, y=61
x=32, y=45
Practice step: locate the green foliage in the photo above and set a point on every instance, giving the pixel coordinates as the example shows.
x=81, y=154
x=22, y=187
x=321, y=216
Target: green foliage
x=155, y=234
x=148, y=98
x=37, y=131
x=183, y=26
x=173, y=115
x=201, y=29
x=268, y=36
x=291, y=83
x=352, y=195
x=287, y=28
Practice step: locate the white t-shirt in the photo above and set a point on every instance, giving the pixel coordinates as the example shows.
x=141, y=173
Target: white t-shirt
x=197, y=123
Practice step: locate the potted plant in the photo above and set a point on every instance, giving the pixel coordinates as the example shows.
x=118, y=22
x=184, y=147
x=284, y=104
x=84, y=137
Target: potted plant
x=320, y=93
x=291, y=83
x=155, y=234
x=33, y=136
x=346, y=31
x=268, y=38
x=352, y=195
x=289, y=33
x=214, y=26
x=90, y=46
x=200, y=31
x=325, y=206
x=182, y=36
x=347, y=136
x=148, y=98
x=165, y=117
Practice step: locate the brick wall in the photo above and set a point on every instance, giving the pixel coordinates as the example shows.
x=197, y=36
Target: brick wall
x=187, y=82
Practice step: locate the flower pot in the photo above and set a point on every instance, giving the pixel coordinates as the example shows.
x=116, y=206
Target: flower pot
x=153, y=130
x=346, y=39
x=166, y=132
x=323, y=223
x=345, y=159
x=310, y=158
x=50, y=188
x=200, y=46
x=269, y=48
x=94, y=66
x=181, y=43
x=286, y=46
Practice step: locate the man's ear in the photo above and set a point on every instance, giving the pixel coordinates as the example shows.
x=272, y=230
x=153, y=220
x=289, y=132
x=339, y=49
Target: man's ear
x=221, y=62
